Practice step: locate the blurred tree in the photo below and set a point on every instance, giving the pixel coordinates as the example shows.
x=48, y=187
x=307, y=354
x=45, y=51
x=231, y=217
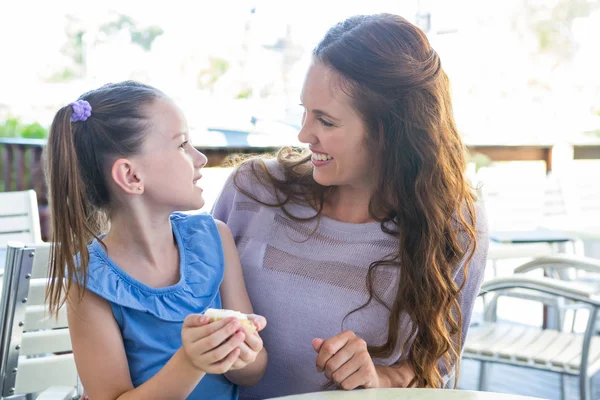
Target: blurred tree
x=209, y=76
x=73, y=50
x=552, y=24
x=10, y=128
x=34, y=131
x=143, y=37
x=291, y=51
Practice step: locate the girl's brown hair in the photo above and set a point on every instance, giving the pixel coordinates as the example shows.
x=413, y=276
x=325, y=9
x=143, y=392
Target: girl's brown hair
x=78, y=158
x=422, y=197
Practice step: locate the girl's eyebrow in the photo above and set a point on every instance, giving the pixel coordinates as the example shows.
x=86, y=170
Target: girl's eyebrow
x=178, y=135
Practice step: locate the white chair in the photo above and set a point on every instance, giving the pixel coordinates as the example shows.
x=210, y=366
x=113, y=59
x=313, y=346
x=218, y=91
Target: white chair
x=512, y=202
x=19, y=217
x=565, y=353
x=35, y=349
x=583, y=271
x=569, y=267
x=585, y=196
x=580, y=193
x=535, y=208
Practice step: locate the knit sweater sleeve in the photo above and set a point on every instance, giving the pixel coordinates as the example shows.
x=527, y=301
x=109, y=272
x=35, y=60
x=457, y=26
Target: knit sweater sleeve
x=474, y=279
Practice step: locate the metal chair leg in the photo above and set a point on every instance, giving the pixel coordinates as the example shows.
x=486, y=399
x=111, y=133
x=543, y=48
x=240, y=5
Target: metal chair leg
x=490, y=311
x=563, y=387
x=483, y=376
x=585, y=390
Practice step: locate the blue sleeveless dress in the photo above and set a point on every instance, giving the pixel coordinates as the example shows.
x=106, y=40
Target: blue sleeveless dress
x=150, y=319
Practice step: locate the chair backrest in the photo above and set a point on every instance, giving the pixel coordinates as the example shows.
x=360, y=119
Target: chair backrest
x=587, y=186
x=559, y=205
x=19, y=217
x=35, y=348
x=513, y=198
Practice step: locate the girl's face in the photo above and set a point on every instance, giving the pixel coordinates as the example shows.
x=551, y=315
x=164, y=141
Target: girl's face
x=168, y=162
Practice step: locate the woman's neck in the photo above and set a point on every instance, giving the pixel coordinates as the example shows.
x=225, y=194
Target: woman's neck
x=348, y=204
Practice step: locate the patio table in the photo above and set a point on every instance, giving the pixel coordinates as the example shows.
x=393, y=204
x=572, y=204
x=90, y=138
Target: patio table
x=405, y=394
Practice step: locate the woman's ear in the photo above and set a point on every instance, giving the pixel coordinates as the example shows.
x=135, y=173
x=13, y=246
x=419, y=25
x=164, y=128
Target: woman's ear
x=125, y=176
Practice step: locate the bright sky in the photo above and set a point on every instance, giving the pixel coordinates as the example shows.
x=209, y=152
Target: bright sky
x=482, y=57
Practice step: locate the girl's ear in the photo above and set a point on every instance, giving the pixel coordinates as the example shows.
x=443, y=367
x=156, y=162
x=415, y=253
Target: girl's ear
x=123, y=173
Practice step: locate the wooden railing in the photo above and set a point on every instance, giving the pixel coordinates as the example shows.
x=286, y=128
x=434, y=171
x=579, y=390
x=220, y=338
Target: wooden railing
x=21, y=166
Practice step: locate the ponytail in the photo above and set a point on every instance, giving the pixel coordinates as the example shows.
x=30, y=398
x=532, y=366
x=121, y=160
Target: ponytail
x=72, y=217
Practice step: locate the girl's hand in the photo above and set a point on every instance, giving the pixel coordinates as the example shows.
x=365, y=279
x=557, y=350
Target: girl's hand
x=252, y=345
x=212, y=347
x=345, y=360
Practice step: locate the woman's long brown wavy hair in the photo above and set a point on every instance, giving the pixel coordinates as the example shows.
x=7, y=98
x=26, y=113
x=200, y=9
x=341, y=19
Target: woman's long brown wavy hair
x=422, y=198
x=77, y=162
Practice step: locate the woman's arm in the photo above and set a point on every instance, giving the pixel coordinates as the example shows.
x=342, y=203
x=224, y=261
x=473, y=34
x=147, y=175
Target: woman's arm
x=235, y=297
x=345, y=360
x=396, y=376
x=102, y=363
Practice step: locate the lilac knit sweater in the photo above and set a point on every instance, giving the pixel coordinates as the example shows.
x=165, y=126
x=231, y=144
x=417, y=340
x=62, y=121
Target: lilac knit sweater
x=305, y=283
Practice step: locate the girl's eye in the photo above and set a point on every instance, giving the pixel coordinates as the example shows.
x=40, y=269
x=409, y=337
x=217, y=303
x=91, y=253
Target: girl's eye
x=325, y=123
x=182, y=145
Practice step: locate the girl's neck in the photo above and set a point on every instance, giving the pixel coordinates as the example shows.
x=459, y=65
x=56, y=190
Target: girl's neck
x=146, y=239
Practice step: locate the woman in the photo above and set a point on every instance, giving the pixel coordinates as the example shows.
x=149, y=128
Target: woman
x=365, y=253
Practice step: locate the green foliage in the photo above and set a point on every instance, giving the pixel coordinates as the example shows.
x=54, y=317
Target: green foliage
x=244, y=94
x=63, y=76
x=13, y=128
x=10, y=128
x=480, y=160
x=143, y=37
x=34, y=131
x=553, y=25
x=208, y=76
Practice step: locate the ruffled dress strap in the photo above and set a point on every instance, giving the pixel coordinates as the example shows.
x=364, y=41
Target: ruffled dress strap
x=201, y=273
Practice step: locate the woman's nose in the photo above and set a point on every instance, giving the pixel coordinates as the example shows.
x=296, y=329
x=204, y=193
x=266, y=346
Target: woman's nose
x=305, y=135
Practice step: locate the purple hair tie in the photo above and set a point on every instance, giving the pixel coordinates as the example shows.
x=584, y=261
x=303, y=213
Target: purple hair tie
x=81, y=110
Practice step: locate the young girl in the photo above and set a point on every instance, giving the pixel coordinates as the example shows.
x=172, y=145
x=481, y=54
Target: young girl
x=121, y=154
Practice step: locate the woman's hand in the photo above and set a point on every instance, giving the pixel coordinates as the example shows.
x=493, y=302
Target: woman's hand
x=345, y=360
x=253, y=344
x=212, y=347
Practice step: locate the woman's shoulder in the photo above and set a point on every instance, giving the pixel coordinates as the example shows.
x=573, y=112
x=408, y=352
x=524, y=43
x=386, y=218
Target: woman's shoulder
x=477, y=220
x=259, y=170
x=256, y=179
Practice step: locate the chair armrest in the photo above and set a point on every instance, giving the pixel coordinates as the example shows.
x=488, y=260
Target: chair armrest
x=561, y=261
x=544, y=285
x=58, y=393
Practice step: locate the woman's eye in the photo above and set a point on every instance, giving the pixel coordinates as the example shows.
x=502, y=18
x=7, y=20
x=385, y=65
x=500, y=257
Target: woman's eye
x=325, y=123
x=182, y=145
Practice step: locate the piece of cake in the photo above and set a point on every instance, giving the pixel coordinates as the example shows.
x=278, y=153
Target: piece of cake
x=215, y=314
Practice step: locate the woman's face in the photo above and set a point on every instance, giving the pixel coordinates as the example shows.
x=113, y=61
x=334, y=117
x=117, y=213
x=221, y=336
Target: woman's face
x=335, y=132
